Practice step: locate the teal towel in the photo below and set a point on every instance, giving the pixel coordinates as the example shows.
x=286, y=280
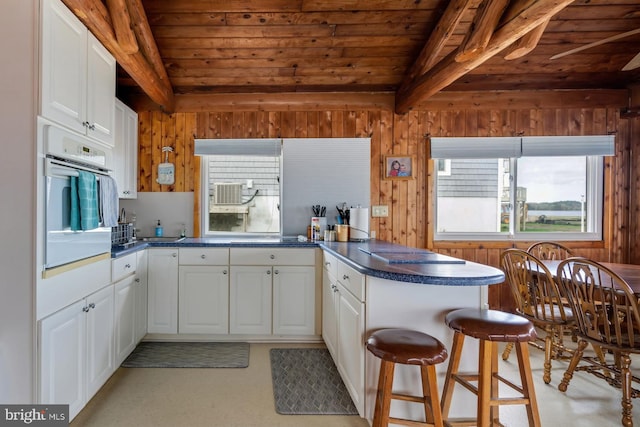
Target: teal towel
x=84, y=202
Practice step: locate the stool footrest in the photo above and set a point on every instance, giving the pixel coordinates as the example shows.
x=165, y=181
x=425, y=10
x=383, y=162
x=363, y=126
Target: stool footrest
x=465, y=381
x=410, y=423
x=407, y=398
x=467, y=422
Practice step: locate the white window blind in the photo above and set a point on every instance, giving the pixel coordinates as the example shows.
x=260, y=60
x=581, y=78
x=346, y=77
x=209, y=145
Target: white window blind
x=238, y=147
x=475, y=148
x=556, y=146
x=514, y=147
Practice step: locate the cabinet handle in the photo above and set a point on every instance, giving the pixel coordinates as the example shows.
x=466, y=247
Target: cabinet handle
x=224, y=271
x=137, y=280
x=92, y=305
x=203, y=256
x=92, y=126
x=174, y=254
x=275, y=271
x=272, y=256
x=85, y=309
x=345, y=277
x=327, y=263
x=127, y=266
x=269, y=272
x=85, y=124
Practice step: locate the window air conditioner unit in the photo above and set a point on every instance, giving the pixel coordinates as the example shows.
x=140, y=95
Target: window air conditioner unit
x=227, y=193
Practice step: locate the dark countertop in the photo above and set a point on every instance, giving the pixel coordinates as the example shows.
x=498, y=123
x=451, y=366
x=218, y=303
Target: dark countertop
x=373, y=258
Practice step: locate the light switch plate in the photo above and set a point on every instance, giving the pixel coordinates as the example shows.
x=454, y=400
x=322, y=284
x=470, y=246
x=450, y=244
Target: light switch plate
x=379, y=211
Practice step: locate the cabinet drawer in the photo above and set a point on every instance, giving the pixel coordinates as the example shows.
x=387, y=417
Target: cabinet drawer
x=329, y=264
x=352, y=280
x=203, y=256
x=272, y=256
x=121, y=267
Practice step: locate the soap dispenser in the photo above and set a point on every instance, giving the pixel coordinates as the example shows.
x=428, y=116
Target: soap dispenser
x=159, y=229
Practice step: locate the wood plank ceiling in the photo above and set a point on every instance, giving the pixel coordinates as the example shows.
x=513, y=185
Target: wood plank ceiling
x=413, y=48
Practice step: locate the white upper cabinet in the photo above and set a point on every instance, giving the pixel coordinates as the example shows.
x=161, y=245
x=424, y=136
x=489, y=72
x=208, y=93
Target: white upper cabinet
x=78, y=75
x=125, y=152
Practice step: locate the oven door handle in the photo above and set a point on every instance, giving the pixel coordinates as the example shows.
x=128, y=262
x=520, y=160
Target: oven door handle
x=55, y=169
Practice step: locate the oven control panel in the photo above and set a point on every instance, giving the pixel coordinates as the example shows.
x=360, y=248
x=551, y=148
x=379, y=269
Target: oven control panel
x=66, y=145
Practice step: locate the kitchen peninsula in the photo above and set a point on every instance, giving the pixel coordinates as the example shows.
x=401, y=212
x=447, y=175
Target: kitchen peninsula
x=361, y=287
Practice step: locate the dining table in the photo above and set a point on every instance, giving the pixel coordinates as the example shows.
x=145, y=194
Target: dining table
x=630, y=273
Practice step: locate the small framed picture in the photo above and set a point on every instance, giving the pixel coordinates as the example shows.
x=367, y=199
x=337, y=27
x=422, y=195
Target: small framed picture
x=398, y=167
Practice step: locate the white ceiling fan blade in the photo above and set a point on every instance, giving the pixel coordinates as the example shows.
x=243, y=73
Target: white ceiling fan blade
x=633, y=64
x=598, y=43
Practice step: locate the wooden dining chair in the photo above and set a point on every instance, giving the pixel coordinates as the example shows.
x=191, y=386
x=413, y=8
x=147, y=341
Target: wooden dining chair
x=549, y=250
x=539, y=299
x=606, y=315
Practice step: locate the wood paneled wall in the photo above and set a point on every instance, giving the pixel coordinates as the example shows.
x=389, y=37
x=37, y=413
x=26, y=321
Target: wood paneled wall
x=409, y=200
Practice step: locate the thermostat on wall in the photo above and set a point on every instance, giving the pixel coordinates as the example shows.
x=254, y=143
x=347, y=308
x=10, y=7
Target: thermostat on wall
x=166, y=170
x=166, y=173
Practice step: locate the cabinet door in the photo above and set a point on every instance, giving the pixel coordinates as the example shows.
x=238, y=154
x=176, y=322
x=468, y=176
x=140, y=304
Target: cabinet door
x=125, y=317
x=101, y=91
x=64, y=66
x=141, y=295
x=250, y=300
x=203, y=300
x=125, y=152
x=62, y=358
x=162, y=276
x=100, y=342
x=329, y=314
x=351, y=347
x=294, y=294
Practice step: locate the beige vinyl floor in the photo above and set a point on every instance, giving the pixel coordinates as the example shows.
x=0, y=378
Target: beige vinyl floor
x=244, y=398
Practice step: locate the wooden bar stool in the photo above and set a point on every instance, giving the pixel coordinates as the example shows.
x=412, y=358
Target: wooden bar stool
x=490, y=327
x=407, y=347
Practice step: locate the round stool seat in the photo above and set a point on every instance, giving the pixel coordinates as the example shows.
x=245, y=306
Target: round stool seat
x=407, y=347
x=491, y=325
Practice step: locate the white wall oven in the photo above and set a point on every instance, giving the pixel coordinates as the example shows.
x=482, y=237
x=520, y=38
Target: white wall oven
x=66, y=155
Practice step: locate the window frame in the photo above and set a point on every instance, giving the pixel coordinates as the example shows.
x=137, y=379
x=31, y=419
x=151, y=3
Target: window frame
x=597, y=178
x=204, y=203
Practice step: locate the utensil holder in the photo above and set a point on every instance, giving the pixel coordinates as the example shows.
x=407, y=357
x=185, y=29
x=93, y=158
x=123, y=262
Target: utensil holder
x=342, y=232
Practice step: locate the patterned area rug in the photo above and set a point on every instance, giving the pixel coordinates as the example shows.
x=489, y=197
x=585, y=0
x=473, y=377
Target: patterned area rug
x=189, y=355
x=306, y=381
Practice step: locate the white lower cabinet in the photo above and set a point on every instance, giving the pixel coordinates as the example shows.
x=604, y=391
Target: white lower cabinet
x=294, y=299
x=125, y=317
x=141, y=295
x=250, y=300
x=343, y=324
x=203, y=297
x=77, y=351
x=350, y=344
x=272, y=291
x=162, y=276
x=221, y=291
x=330, y=304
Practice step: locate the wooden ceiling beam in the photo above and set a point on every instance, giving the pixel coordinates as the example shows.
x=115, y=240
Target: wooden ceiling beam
x=526, y=43
x=412, y=92
x=95, y=16
x=484, y=25
x=439, y=37
x=145, y=37
x=122, y=26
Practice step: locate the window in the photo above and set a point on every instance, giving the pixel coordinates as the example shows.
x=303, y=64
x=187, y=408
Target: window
x=240, y=182
x=443, y=166
x=520, y=188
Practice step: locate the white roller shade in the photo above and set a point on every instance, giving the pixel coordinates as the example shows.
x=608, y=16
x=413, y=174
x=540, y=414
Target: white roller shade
x=527, y=146
x=238, y=147
x=553, y=146
x=475, y=148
